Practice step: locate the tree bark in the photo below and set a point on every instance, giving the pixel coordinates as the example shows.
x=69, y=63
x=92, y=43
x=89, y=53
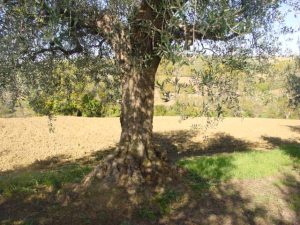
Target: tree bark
x=137, y=112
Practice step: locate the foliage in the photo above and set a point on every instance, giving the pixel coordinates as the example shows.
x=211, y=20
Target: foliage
x=75, y=91
x=178, y=109
x=293, y=84
x=265, y=94
x=269, y=96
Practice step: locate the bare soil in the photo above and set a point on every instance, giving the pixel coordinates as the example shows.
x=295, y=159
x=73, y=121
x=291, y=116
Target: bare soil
x=26, y=140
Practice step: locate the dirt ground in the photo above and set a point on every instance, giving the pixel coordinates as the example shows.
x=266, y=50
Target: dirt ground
x=26, y=140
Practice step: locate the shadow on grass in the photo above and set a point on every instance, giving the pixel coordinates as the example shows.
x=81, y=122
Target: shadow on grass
x=180, y=144
x=289, y=184
x=290, y=147
x=183, y=201
x=212, y=169
x=30, y=192
x=289, y=187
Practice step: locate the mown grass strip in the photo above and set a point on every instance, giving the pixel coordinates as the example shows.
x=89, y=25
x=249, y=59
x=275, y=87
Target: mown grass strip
x=242, y=165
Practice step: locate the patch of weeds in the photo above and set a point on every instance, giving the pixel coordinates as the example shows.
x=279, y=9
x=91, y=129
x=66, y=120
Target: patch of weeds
x=165, y=200
x=30, y=181
x=146, y=213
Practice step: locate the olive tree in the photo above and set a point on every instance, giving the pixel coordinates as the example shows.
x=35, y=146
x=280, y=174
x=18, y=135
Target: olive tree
x=136, y=35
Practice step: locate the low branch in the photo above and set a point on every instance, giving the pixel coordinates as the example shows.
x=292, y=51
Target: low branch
x=53, y=49
x=187, y=33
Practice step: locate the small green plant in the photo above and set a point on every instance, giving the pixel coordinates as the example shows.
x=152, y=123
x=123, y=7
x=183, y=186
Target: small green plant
x=112, y=110
x=165, y=200
x=146, y=213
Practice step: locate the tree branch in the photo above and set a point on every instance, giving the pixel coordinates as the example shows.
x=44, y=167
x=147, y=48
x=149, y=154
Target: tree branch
x=188, y=32
x=78, y=49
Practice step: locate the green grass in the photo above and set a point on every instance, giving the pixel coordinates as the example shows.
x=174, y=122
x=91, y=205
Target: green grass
x=29, y=182
x=241, y=165
x=161, y=204
x=165, y=200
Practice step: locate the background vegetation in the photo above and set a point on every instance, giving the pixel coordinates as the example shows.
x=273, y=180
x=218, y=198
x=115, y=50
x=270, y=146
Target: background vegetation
x=78, y=88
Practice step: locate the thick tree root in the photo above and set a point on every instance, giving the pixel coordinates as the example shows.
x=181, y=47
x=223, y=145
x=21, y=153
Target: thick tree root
x=126, y=171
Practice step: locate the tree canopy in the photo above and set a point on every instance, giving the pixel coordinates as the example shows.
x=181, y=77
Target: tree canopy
x=36, y=29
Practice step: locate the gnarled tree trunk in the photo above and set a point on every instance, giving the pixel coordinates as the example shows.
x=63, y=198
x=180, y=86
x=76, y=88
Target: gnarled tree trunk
x=137, y=118
x=136, y=160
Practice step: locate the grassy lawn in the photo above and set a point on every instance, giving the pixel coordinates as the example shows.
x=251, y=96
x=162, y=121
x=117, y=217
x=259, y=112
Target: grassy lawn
x=242, y=165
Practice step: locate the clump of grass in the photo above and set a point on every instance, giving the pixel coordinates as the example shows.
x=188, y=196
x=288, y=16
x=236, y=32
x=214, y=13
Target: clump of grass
x=165, y=200
x=159, y=205
x=29, y=182
x=146, y=213
x=240, y=165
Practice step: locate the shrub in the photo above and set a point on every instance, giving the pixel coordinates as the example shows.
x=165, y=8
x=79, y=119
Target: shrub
x=112, y=110
x=91, y=107
x=160, y=110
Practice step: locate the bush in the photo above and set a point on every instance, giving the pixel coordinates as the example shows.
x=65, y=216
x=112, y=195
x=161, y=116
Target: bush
x=91, y=107
x=160, y=110
x=112, y=110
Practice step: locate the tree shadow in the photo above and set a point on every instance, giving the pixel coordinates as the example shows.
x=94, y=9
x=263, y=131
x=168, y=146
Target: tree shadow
x=295, y=128
x=180, y=144
x=222, y=204
x=289, y=146
x=289, y=187
x=289, y=184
